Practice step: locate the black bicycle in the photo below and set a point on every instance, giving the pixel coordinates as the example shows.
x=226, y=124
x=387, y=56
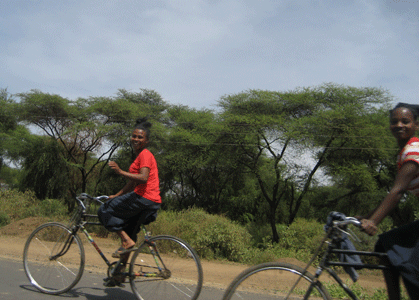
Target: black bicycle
x=276, y=280
x=161, y=267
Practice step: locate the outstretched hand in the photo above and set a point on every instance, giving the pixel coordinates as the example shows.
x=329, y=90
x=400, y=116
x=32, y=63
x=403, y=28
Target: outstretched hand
x=114, y=166
x=369, y=227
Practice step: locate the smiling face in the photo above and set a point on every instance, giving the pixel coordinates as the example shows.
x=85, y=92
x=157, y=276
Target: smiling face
x=403, y=125
x=139, y=140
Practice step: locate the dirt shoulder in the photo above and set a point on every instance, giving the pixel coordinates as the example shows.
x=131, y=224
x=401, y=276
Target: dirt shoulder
x=216, y=274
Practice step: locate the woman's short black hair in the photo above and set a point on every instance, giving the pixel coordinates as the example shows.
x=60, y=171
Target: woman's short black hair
x=412, y=107
x=143, y=124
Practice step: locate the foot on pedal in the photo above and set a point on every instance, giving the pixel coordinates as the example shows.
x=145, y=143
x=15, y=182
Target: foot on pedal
x=112, y=282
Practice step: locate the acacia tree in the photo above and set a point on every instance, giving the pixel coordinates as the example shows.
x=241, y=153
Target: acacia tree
x=7, y=123
x=286, y=130
x=88, y=130
x=13, y=136
x=44, y=169
x=362, y=171
x=348, y=132
x=195, y=163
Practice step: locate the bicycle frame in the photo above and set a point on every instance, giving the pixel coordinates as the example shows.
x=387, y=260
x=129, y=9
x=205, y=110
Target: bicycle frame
x=90, y=239
x=328, y=261
x=82, y=219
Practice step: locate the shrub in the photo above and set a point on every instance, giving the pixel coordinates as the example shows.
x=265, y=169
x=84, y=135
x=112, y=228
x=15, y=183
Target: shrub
x=18, y=205
x=299, y=241
x=302, y=234
x=52, y=207
x=261, y=234
x=4, y=219
x=212, y=236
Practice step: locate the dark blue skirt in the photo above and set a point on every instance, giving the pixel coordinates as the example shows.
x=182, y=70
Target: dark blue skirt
x=127, y=212
x=402, y=247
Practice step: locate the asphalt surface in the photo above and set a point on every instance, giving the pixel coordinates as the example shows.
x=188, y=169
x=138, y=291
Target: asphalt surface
x=14, y=285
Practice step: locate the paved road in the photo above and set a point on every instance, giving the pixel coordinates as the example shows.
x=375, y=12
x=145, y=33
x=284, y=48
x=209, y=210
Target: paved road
x=14, y=285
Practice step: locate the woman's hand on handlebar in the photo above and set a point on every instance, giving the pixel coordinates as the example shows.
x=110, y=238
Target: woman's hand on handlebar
x=369, y=227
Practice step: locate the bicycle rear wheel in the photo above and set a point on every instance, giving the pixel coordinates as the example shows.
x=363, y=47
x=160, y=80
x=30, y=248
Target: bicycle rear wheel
x=53, y=258
x=272, y=280
x=165, y=268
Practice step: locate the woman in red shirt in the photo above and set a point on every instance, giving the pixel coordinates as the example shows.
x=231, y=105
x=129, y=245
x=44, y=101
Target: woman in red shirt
x=140, y=197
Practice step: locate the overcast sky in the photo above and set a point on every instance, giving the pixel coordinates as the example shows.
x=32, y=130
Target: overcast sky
x=192, y=52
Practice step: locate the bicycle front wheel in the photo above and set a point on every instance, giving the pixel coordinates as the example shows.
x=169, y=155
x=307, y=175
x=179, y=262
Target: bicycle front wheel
x=53, y=258
x=272, y=280
x=165, y=267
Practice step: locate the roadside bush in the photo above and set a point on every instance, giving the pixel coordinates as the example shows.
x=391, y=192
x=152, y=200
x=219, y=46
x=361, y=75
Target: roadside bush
x=52, y=207
x=261, y=234
x=302, y=234
x=212, y=236
x=4, y=219
x=17, y=205
x=299, y=241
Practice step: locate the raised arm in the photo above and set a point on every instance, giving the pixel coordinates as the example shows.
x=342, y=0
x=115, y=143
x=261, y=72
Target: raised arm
x=134, y=179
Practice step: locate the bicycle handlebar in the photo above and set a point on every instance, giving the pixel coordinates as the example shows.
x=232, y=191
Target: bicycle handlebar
x=347, y=221
x=83, y=196
x=101, y=198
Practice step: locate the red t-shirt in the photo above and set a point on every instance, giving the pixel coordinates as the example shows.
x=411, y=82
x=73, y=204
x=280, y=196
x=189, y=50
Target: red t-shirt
x=149, y=190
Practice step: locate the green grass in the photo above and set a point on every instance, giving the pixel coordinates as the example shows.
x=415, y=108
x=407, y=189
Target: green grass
x=362, y=293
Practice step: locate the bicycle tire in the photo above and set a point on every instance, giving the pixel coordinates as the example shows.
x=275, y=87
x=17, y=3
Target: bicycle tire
x=273, y=280
x=57, y=275
x=181, y=276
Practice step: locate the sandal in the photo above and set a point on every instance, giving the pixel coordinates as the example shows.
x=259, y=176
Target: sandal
x=120, y=251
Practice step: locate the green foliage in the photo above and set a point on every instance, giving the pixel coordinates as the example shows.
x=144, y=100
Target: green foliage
x=331, y=124
x=302, y=233
x=300, y=240
x=16, y=205
x=197, y=161
x=7, y=117
x=52, y=207
x=13, y=136
x=336, y=292
x=89, y=132
x=255, y=159
x=4, y=219
x=45, y=170
x=213, y=237
x=10, y=176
